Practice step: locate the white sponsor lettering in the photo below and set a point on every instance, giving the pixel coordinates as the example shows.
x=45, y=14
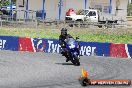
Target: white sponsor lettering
x=85, y=50
x=88, y=50
x=2, y=43
x=50, y=43
x=53, y=47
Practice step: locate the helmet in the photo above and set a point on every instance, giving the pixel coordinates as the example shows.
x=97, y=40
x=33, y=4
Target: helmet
x=63, y=31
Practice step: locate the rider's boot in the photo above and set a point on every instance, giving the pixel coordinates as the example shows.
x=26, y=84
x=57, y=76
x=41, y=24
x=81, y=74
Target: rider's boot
x=67, y=57
x=63, y=53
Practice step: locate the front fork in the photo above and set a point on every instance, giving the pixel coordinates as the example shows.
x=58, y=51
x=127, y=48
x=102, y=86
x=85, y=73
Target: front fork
x=76, y=54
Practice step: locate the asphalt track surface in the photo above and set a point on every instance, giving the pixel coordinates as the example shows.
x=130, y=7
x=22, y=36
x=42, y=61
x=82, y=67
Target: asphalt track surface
x=46, y=70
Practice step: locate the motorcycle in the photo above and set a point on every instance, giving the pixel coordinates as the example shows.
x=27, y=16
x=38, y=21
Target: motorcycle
x=72, y=47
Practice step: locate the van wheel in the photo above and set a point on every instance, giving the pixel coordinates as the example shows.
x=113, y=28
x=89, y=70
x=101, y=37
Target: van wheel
x=100, y=26
x=71, y=25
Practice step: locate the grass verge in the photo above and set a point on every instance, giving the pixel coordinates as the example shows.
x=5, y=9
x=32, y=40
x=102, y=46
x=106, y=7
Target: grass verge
x=89, y=35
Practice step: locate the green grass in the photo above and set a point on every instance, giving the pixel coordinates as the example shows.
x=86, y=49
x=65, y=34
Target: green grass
x=98, y=35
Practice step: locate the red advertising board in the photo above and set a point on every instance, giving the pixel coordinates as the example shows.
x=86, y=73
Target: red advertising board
x=25, y=44
x=118, y=50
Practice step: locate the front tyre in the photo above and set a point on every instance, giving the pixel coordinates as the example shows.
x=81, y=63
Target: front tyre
x=76, y=61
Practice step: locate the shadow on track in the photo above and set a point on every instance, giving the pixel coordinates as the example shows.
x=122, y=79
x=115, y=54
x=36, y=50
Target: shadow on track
x=64, y=63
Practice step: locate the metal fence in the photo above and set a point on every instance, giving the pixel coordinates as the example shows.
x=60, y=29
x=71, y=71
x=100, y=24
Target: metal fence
x=32, y=21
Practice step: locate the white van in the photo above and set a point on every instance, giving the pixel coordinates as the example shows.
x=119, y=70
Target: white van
x=85, y=15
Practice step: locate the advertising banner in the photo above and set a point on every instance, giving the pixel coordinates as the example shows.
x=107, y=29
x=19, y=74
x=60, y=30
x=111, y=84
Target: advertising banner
x=87, y=48
x=94, y=49
x=52, y=46
x=129, y=50
x=39, y=44
x=9, y=43
x=25, y=44
x=118, y=50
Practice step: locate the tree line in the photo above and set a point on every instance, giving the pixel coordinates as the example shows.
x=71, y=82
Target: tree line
x=6, y=2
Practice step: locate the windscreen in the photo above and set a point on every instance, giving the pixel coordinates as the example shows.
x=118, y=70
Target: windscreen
x=70, y=41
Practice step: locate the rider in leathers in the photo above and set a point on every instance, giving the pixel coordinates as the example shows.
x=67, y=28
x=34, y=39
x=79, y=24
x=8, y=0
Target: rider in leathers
x=62, y=42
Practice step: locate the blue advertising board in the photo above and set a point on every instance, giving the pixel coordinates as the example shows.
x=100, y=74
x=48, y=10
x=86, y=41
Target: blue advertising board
x=52, y=46
x=9, y=43
x=95, y=49
x=87, y=48
x=46, y=45
x=129, y=50
x=39, y=44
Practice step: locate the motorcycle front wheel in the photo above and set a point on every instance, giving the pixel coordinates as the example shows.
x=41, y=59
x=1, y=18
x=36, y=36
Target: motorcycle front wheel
x=76, y=61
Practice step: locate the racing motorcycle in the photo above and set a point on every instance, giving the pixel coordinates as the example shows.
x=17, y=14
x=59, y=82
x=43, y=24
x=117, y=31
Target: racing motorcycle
x=72, y=47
